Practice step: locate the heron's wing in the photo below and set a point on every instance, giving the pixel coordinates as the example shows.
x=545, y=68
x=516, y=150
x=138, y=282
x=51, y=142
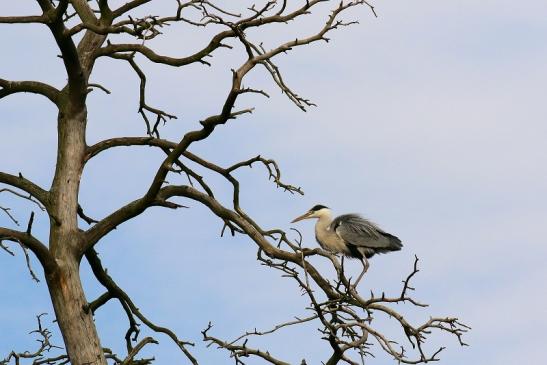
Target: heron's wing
x=360, y=232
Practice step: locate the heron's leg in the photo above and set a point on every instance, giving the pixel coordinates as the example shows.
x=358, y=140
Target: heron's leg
x=365, y=268
x=342, y=263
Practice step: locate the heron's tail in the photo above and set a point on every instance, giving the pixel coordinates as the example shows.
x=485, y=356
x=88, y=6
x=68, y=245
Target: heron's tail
x=394, y=242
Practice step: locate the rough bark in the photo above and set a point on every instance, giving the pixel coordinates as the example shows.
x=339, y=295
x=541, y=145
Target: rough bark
x=76, y=323
x=79, y=334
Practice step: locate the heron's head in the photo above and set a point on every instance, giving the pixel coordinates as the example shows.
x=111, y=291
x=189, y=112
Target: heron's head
x=316, y=212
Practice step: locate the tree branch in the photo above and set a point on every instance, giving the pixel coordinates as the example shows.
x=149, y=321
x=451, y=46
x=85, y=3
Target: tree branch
x=45, y=345
x=33, y=87
x=128, y=7
x=23, y=19
x=116, y=292
x=77, y=83
x=151, y=130
x=215, y=43
x=27, y=186
x=339, y=303
x=84, y=11
x=238, y=351
x=38, y=248
x=249, y=228
x=29, y=198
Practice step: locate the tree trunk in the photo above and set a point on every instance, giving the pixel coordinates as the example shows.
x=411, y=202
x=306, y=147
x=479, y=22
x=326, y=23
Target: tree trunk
x=75, y=322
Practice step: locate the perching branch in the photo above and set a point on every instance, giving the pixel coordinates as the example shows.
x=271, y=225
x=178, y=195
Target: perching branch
x=341, y=304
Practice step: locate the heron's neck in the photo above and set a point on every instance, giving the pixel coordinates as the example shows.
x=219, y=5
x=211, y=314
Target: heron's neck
x=323, y=234
x=324, y=221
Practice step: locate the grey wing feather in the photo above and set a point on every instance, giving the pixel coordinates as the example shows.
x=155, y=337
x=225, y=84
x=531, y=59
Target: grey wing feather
x=360, y=232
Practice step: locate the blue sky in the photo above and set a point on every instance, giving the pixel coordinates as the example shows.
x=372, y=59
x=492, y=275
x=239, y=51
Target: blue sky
x=430, y=121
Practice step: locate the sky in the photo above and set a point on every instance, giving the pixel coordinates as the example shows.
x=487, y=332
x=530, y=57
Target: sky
x=430, y=121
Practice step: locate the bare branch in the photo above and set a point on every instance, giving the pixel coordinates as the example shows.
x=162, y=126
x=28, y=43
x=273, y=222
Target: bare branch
x=23, y=19
x=29, y=197
x=98, y=86
x=250, y=229
x=84, y=11
x=271, y=166
x=37, y=247
x=82, y=215
x=161, y=116
x=215, y=43
x=240, y=350
x=10, y=216
x=116, y=292
x=33, y=87
x=29, y=267
x=45, y=346
x=340, y=304
x=36, y=195
x=129, y=359
x=296, y=321
x=77, y=84
x=128, y=7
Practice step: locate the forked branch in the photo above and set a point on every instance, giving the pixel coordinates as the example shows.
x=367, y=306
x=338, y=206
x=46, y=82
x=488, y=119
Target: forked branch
x=114, y=291
x=44, y=347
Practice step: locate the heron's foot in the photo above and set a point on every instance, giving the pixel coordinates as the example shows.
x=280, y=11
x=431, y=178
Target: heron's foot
x=352, y=290
x=351, y=287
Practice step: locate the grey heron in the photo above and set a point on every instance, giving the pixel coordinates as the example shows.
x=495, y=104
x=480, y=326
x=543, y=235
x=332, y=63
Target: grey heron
x=350, y=235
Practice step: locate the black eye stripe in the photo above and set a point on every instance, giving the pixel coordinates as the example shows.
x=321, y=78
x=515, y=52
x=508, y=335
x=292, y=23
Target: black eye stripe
x=318, y=207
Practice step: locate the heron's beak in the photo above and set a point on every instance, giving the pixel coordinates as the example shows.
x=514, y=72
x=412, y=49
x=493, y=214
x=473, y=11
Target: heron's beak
x=303, y=216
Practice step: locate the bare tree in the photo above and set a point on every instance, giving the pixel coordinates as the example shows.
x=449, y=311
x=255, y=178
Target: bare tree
x=86, y=31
